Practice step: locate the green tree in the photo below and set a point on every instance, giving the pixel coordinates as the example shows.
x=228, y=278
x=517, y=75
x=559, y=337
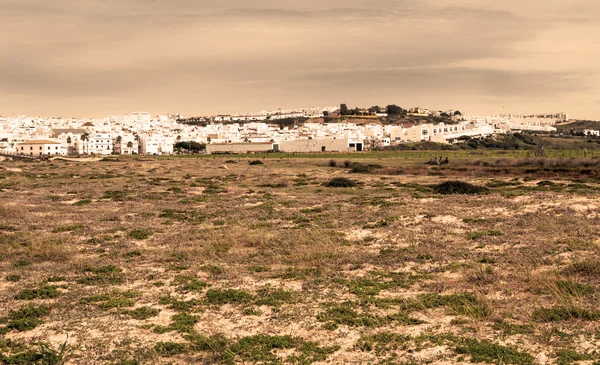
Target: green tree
x=191, y=146
x=344, y=109
x=85, y=137
x=394, y=110
x=130, y=146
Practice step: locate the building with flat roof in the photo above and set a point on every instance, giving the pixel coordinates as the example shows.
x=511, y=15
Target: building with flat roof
x=40, y=148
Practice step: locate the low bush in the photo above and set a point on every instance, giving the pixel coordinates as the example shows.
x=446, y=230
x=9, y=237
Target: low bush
x=340, y=182
x=459, y=187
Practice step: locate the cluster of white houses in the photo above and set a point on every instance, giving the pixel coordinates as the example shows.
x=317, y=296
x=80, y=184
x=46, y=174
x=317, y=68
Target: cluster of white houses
x=139, y=133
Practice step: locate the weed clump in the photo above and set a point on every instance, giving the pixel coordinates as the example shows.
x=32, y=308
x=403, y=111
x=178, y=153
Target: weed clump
x=256, y=162
x=139, y=234
x=27, y=317
x=229, y=296
x=486, y=351
x=559, y=314
x=143, y=313
x=459, y=187
x=104, y=275
x=340, y=182
x=43, y=292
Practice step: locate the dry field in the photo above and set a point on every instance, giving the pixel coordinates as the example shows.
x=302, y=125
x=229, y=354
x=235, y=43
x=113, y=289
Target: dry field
x=188, y=261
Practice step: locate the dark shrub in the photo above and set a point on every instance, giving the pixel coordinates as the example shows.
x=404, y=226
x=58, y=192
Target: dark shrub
x=347, y=163
x=332, y=163
x=256, y=162
x=340, y=182
x=357, y=168
x=459, y=187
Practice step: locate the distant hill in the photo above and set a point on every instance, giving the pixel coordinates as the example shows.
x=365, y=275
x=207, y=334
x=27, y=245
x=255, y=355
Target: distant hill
x=579, y=125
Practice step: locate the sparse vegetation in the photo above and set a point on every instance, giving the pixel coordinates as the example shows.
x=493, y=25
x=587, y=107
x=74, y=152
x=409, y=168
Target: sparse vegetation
x=486, y=259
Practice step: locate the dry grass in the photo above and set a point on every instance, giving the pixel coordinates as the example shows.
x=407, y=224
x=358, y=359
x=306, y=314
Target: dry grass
x=180, y=261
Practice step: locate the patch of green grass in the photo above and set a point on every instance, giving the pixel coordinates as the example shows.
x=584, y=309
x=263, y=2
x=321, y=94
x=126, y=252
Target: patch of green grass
x=82, y=202
x=189, y=283
x=228, y=296
x=567, y=357
x=379, y=281
x=345, y=314
x=42, y=354
x=69, y=228
x=213, y=269
x=573, y=288
x=139, y=234
x=170, y=348
x=488, y=352
x=43, y=292
x=13, y=278
x=261, y=348
x=272, y=297
x=512, y=329
x=22, y=263
x=382, y=342
x=104, y=275
x=142, y=313
x=27, y=317
x=114, y=299
x=179, y=305
x=559, y=314
x=181, y=322
x=132, y=254
x=464, y=304
x=116, y=195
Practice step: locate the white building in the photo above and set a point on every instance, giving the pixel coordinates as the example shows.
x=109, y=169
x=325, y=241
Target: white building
x=100, y=144
x=156, y=145
x=40, y=147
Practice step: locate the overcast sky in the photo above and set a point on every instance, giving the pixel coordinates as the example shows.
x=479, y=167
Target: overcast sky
x=196, y=57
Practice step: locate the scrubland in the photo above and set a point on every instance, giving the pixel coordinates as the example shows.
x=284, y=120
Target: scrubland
x=300, y=261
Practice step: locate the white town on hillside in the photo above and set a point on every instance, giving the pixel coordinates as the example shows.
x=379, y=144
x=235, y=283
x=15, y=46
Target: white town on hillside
x=140, y=133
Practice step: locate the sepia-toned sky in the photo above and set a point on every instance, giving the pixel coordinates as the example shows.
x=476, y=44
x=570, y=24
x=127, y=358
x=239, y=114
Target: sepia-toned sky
x=98, y=57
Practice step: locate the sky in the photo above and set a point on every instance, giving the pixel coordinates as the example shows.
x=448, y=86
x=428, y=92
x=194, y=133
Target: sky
x=91, y=58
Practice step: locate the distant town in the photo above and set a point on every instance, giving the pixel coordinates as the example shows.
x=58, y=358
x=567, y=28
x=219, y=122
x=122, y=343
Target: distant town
x=315, y=129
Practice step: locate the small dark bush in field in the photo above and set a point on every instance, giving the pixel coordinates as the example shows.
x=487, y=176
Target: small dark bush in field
x=340, y=182
x=332, y=163
x=546, y=183
x=347, y=163
x=357, y=168
x=256, y=162
x=14, y=278
x=139, y=234
x=459, y=187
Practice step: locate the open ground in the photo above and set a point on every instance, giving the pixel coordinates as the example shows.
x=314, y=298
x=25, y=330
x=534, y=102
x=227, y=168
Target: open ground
x=344, y=259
